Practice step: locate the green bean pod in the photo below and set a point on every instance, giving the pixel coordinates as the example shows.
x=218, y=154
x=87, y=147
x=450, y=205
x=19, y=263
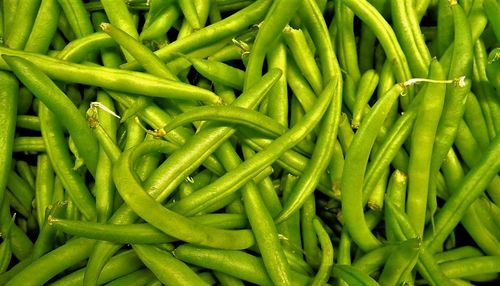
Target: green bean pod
x=119, y=265
x=177, y=273
x=58, y=103
x=327, y=255
x=422, y=141
x=25, y=16
x=225, y=28
x=400, y=262
x=173, y=224
x=352, y=276
x=366, y=87
x=9, y=90
x=354, y=171
x=138, y=233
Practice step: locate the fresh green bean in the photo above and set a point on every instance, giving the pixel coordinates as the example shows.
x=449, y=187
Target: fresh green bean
x=25, y=15
x=139, y=233
x=422, y=141
x=268, y=31
x=303, y=56
x=133, y=82
x=173, y=224
x=352, y=276
x=119, y=265
x=354, y=170
x=232, y=180
x=56, y=101
x=368, y=83
x=9, y=90
x=63, y=165
x=400, y=262
x=327, y=255
x=177, y=273
x=228, y=27
x=44, y=27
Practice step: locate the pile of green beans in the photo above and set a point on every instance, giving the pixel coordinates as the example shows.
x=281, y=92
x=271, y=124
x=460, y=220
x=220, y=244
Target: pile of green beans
x=249, y=142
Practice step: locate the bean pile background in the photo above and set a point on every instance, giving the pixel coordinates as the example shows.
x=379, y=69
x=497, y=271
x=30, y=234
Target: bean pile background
x=237, y=142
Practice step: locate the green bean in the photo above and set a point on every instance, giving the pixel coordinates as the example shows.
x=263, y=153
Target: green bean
x=309, y=237
x=175, y=225
x=354, y=169
x=492, y=8
x=376, y=199
x=51, y=95
x=291, y=161
x=25, y=15
x=471, y=267
x=20, y=243
x=482, y=231
x=219, y=72
x=396, y=194
x=119, y=15
x=139, y=233
x=266, y=236
x=133, y=82
x=17, y=205
x=77, y=50
x=387, y=38
x=483, y=89
x=177, y=273
x=352, y=276
x=303, y=56
x=54, y=262
x=9, y=90
x=326, y=257
x=160, y=19
x=228, y=27
x=373, y=261
x=188, y=8
x=424, y=131
x=44, y=27
x=388, y=150
x=21, y=190
x=344, y=19
x=426, y=265
x=457, y=254
x=223, y=278
x=25, y=171
x=104, y=188
x=62, y=163
x=410, y=36
x=119, y=265
x=6, y=248
x=473, y=116
x=318, y=162
x=44, y=186
x=230, y=114
x=400, y=262
x=147, y=59
x=249, y=267
x=300, y=87
x=454, y=105
x=368, y=84
x=139, y=277
x=346, y=134
x=237, y=177
x=479, y=176
x=278, y=95
x=9, y=14
x=268, y=31
x=77, y=17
